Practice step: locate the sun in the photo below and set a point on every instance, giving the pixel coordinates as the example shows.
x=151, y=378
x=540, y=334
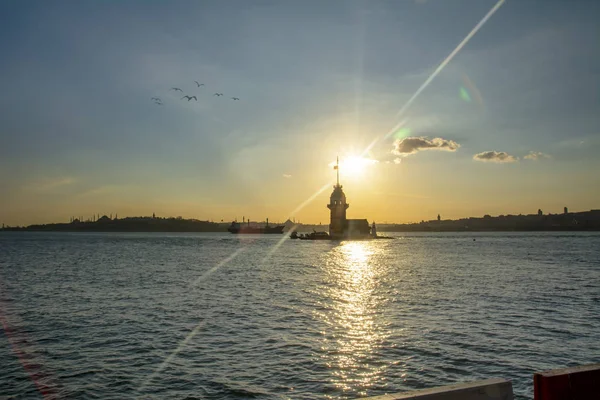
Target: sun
x=354, y=166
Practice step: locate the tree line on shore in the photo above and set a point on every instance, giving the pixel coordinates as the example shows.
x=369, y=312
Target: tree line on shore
x=578, y=221
x=128, y=224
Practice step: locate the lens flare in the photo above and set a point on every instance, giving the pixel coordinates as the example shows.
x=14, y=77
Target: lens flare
x=469, y=91
x=216, y=267
x=441, y=67
x=170, y=358
x=464, y=94
x=402, y=133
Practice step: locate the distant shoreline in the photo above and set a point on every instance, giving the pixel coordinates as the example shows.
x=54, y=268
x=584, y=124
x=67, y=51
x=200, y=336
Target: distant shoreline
x=565, y=222
x=26, y=229
x=129, y=224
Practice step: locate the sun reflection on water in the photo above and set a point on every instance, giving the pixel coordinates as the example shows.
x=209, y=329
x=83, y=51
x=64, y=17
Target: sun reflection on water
x=355, y=332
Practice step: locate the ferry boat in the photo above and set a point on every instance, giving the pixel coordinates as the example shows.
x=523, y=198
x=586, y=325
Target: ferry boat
x=311, y=236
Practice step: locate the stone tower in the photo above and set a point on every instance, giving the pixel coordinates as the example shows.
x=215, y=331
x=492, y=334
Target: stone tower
x=338, y=206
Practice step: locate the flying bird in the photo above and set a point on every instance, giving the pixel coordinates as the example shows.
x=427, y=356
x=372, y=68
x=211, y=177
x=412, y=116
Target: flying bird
x=218, y=94
x=155, y=98
x=199, y=84
x=176, y=88
x=189, y=98
x=235, y=98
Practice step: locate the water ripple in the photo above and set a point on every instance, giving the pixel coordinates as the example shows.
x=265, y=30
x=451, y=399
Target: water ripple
x=117, y=316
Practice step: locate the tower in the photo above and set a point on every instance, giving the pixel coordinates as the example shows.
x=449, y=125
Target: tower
x=338, y=206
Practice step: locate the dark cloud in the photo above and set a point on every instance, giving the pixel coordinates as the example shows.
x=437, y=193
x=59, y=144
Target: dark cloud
x=411, y=145
x=494, y=156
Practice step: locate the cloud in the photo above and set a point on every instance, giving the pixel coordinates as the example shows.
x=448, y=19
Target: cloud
x=411, y=145
x=495, y=156
x=48, y=184
x=287, y=176
x=536, y=155
x=396, y=161
x=99, y=191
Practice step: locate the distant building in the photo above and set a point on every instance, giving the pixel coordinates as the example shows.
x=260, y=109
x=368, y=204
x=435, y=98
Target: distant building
x=566, y=210
x=289, y=224
x=357, y=228
x=339, y=226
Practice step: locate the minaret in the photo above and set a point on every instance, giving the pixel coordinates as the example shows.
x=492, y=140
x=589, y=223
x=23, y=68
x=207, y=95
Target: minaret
x=338, y=206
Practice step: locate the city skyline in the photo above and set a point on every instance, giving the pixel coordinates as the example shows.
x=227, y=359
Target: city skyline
x=508, y=126
x=568, y=220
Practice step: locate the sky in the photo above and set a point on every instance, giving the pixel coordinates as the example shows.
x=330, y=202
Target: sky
x=510, y=124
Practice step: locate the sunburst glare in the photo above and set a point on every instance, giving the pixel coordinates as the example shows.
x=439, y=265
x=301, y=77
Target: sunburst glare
x=354, y=166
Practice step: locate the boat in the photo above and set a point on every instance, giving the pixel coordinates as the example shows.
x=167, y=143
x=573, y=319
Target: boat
x=315, y=236
x=245, y=228
x=325, y=236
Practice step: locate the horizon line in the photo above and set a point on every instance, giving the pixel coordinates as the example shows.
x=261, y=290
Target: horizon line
x=223, y=221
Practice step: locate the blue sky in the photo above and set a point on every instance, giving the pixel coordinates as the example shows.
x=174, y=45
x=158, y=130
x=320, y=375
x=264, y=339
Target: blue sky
x=79, y=134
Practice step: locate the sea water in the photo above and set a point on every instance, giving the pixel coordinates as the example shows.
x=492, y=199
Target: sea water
x=221, y=316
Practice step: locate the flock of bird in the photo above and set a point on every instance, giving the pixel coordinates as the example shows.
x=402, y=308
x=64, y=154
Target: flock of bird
x=159, y=102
